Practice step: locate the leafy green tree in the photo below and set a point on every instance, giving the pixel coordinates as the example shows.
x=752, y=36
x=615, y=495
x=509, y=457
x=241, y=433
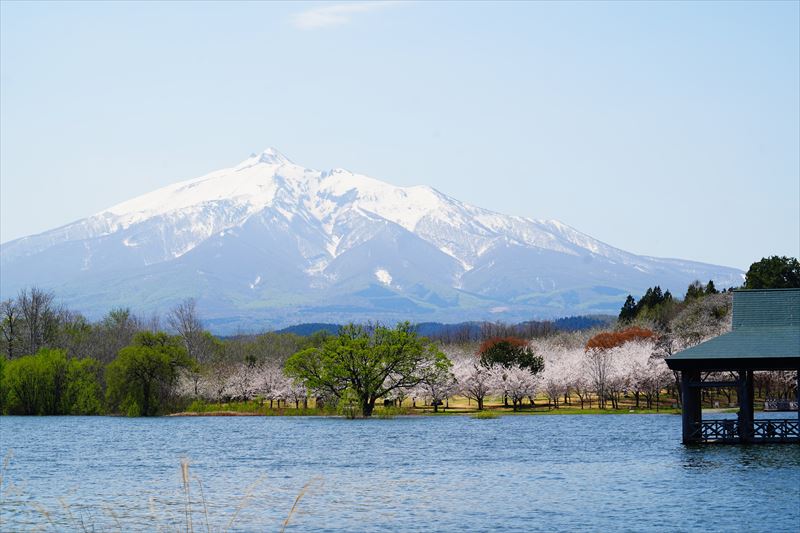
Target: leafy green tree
x=84, y=394
x=349, y=404
x=140, y=381
x=773, y=273
x=508, y=352
x=3, y=388
x=710, y=288
x=367, y=364
x=36, y=384
x=48, y=383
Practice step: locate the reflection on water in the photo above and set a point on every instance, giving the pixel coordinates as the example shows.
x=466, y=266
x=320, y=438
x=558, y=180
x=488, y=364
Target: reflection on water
x=517, y=473
x=758, y=456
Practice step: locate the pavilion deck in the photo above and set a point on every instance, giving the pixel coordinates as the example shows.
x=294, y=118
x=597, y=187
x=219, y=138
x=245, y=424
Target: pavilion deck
x=765, y=336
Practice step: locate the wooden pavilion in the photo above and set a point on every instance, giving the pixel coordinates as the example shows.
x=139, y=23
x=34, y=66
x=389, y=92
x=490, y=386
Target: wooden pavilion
x=765, y=336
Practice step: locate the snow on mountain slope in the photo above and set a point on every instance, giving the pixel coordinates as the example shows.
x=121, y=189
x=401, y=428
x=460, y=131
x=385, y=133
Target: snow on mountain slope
x=203, y=206
x=332, y=233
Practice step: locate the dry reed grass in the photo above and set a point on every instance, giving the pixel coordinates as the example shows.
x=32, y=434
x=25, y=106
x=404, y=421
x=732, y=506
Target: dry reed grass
x=297, y=501
x=157, y=512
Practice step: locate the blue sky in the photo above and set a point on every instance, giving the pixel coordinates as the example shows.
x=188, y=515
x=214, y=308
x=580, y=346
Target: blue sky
x=666, y=129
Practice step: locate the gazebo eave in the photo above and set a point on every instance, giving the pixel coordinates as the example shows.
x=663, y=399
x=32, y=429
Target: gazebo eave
x=710, y=364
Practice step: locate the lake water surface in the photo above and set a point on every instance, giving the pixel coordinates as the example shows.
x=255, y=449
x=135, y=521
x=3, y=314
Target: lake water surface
x=515, y=473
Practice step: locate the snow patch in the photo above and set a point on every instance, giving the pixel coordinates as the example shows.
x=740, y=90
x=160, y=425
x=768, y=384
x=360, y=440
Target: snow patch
x=317, y=268
x=87, y=259
x=464, y=264
x=383, y=276
x=333, y=245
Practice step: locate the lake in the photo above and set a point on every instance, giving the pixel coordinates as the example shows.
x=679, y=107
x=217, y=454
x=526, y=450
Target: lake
x=515, y=473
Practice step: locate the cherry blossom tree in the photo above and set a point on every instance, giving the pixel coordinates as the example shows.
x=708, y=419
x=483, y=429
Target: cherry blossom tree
x=555, y=379
x=296, y=391
x=216, y=382
x=633, y=369
x=518, y=383
x=607, y=363
x=475, y=381
x=658, y=374
x=597, y=364
x=438, y=386
x=272, y=384
x=241, y=383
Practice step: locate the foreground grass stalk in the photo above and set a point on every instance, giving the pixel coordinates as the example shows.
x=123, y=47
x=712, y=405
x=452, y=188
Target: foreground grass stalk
x=244, y=501
x=187, y=494
x=296, y=502
x=114, y=516
x=203, y=499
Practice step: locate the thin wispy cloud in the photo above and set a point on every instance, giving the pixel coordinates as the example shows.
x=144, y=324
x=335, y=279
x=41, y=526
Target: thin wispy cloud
x=334, y=15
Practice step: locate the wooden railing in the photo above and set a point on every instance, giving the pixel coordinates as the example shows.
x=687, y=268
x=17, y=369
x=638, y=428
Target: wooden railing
x=764, y=431
x=776, y=430
x=726, y=430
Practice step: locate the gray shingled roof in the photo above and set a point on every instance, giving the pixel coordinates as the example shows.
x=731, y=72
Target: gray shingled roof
x=766, y=331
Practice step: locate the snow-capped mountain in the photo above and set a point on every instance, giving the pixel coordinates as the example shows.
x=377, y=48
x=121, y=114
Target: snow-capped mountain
x=269, y=242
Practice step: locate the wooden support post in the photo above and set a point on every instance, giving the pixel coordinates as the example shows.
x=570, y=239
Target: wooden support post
x=691, y=413
x=746, y=393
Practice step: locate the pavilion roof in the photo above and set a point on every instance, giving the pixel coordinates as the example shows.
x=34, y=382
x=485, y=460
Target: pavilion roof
x=765, y=335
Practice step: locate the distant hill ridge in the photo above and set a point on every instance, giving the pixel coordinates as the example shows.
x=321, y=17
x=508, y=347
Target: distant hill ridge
x=471, y=330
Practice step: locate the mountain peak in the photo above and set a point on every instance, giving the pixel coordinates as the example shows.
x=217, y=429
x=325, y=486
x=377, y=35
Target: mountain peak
x=271, y=156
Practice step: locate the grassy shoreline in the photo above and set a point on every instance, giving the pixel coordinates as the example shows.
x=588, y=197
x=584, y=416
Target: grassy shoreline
x=457, y=409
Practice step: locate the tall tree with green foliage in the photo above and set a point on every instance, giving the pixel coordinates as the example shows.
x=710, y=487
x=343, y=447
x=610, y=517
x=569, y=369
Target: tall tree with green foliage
x=36, y=384
x=140, y=381
x=653, y=298
x=3, y=388
x=773, y=273
x=508, y=352
x=628, y=311
x=367, y=364
x=710, y=288
x=84, y=394
x=656, y=306
x=48, y=383
x=694, y=291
